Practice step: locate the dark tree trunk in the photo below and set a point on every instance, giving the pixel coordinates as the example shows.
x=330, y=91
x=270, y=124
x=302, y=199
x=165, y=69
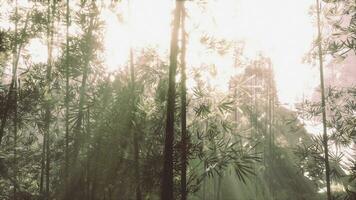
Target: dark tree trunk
x=75, y=179
x=133, y=130
x=78, y=127
x=16, y=50
x=167, y=174
x=184, y=136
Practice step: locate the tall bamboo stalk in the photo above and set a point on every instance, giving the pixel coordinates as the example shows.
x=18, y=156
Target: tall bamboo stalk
x=136, y=146
x=167, y=175
x=67, y=101
x=322, y=88
x=13, y=91
x=184, y=135
x=48, y=115
x=75, y=177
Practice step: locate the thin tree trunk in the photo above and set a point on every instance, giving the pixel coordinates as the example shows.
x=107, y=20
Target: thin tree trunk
x=78, y=128
x=325, y=136
x=13, y=91
x=132, y=117
x=15, y=138
x=48, y=115
x=205, y=163
x=272, y=134
x=184, y=136
x=167, y=175
x=47, y=152
x=75, y=176
x=66, y=167
x=94, y=181
x=135, y=135
x=137, y=167
x=270, y=97
x=219, y=187
x=255, y=124
x=43, y=157
x=16, y=56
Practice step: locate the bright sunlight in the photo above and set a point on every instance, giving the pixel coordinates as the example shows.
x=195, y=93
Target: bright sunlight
x=177, y=100
x=263, y=26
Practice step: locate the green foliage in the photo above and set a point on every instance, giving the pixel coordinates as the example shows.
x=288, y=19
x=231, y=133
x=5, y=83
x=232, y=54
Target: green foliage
x=340, y=103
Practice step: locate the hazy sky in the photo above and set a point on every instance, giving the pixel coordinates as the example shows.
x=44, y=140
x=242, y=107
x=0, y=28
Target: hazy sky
x=283, y=31
x=280, y=29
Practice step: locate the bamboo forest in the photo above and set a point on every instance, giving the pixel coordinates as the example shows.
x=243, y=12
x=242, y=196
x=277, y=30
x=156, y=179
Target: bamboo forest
x=177, y=100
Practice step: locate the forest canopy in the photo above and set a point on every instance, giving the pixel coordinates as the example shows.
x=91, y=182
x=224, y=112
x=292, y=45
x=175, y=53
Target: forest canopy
x=198, y=100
